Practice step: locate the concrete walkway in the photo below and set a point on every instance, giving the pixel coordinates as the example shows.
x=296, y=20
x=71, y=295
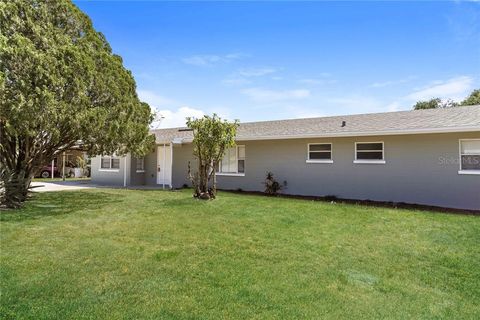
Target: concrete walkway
x=41, y=186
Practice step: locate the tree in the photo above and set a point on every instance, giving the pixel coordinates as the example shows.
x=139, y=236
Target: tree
x=434, y=103
x=60, y=84
x=472, y=99
x=430, y=104
x=212, y=136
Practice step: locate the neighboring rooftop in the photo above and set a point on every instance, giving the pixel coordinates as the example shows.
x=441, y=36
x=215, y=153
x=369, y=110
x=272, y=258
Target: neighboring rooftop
x=456, y=119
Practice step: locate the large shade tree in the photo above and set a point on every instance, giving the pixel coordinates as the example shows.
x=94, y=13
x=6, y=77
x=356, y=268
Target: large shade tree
x=60, y=84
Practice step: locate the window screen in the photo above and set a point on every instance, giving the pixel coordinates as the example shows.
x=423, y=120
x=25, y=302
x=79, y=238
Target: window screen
x=470, y=154
x=233, y=161
x=369, y=151
x=320, y=151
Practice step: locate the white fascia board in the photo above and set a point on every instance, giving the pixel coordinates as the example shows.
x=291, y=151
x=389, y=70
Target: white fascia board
x=357, y=134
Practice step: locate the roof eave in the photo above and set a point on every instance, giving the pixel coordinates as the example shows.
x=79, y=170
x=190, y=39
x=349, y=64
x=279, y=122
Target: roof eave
x=352, y=134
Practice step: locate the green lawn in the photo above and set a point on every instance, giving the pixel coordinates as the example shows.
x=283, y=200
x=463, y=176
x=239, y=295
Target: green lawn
x=124, y=254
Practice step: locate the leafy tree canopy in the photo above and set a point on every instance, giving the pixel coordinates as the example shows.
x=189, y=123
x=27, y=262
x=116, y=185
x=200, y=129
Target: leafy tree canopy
x=212, y=136
x=434, y=103
x=472, y=99
x=60, y=83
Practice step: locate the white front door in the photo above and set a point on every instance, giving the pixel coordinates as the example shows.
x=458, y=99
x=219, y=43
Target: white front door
x=164, y=165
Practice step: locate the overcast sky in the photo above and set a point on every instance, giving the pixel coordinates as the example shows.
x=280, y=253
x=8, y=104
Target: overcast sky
x=276, y=60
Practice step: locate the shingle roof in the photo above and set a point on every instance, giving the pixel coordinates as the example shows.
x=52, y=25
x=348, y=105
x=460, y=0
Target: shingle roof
x=456, y=119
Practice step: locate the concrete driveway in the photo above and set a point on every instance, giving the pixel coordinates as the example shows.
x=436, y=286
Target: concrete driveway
x=41, y=186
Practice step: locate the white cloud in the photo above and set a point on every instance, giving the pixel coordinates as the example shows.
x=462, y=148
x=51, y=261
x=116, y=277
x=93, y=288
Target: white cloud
x=455, y=88
x=383, y=84
x=210, y=59
x=320, y=79
x=256, y=72
x=153, y=99
x=176, y=118
x=266, y=95
x=169, y=113
x=241, y=76
x=394, y=106
x=302, y=112
x=203, y=60
x=313, y=81
x=391, y=82
x=355, y=104
x=236, y=81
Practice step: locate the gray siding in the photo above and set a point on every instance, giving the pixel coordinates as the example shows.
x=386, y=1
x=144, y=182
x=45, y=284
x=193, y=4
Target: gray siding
x=419, y=169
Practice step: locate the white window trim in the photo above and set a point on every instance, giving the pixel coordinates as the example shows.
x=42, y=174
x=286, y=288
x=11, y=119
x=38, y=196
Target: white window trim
x=474, y=172
x=233, y=174
x=460, y=154
x=108, y=169
x=369, y=161
x=319, y=160
x=373, y=161
x=142, y=170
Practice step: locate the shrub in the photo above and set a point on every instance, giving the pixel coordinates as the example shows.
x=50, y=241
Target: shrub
x=272, y=186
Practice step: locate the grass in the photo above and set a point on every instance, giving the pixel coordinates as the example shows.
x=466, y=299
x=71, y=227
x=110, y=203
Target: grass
x=124, y=254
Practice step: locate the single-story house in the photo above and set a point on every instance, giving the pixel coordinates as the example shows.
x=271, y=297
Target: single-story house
x=429, y=157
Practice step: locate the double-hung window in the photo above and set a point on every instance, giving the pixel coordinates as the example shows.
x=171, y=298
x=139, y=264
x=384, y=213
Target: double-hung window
x=109, y=163
x=369, y=152
x=233, y=162
x=470, y=156
x=140, y=164
x=319, y=153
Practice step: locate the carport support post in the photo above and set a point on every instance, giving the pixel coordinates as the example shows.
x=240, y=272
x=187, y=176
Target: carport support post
x=53, y=171
x=163, y=165
x=63, y=166
x=125, y=172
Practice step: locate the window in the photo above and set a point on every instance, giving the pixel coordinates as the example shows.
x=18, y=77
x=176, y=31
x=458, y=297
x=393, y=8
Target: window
x=319, y=153
x=369, y=152
x=470, y=156
x=233, y=162
x=140, y=164
x=108, y=163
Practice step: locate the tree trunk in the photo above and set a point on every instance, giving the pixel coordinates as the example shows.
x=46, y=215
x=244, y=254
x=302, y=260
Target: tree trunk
x=15, y=188
x=214, y=188
x=203, y=181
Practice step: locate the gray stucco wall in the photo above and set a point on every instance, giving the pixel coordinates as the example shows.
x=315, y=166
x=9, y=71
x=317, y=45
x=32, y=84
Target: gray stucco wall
x=110, y=177
x=419, y=169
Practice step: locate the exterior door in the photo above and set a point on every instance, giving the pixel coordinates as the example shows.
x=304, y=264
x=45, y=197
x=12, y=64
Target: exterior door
x=164, y=165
